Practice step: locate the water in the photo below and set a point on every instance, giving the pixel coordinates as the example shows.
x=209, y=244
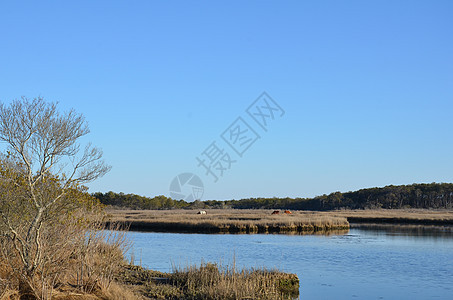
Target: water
x=365, y=263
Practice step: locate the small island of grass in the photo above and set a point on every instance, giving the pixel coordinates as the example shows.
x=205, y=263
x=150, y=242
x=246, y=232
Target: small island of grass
x=227, y=221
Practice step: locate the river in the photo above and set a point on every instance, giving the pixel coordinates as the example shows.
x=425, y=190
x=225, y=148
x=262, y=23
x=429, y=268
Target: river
x=385, y=262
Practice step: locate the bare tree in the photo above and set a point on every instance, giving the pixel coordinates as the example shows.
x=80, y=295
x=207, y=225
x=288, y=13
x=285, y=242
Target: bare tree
x=42, y=169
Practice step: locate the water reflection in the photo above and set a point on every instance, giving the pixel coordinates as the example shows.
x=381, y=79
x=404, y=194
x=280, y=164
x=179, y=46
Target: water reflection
x=313, y=232
x=430, y=232
x=322, y=233
x=369, y=262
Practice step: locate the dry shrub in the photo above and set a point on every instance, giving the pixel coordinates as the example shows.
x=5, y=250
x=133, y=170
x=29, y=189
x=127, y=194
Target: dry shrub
x=78, y=257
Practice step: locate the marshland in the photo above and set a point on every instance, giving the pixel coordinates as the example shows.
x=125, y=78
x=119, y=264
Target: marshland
x=227, y=221
x=53, y=240
x=266, y=221
x=210, y=281
x=366, y=262
x=137, y=115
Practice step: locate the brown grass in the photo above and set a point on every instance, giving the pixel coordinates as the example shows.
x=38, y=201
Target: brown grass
x=212, y=281
x=396, y=216
x=227, y=221
x=95, y=269
x=262, y=221
x=80, y=266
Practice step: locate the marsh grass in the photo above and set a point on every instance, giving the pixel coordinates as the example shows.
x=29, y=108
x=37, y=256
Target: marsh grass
x=212, y=281
x=262, y=221
x=89, y=265
x=227, y=221
x=414, y=216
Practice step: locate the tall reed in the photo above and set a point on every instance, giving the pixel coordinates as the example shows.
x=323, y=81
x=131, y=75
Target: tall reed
x=215, y=281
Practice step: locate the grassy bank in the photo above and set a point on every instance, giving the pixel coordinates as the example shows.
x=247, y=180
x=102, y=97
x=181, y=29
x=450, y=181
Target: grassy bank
x=227, y=221
x=262, y=221
x=207, y=281
x=108, y=276
x=396, y=216
x=210, y=281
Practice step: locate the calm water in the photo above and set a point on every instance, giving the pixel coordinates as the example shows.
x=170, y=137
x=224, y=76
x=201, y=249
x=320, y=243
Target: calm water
x=384, y=263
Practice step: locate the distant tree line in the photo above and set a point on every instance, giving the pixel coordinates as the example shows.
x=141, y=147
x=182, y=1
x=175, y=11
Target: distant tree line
x=433, y=195
x=133, y=201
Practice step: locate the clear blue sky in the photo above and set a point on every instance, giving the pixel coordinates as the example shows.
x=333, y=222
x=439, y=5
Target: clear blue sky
x=367, y=88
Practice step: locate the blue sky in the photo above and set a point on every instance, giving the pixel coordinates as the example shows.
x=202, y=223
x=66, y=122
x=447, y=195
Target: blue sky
x=366, y=86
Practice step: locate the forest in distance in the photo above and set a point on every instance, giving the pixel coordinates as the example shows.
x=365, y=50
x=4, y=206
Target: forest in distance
x=426, y=196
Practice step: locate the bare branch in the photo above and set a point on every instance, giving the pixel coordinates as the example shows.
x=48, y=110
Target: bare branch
x=39, y=138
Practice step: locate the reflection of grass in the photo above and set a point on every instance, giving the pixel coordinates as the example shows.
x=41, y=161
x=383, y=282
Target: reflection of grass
x=431, y=231
x=212, y=281
x=228, y=221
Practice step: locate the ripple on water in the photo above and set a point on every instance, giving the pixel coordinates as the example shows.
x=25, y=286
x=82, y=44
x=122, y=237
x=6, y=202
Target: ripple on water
x=367, y=264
